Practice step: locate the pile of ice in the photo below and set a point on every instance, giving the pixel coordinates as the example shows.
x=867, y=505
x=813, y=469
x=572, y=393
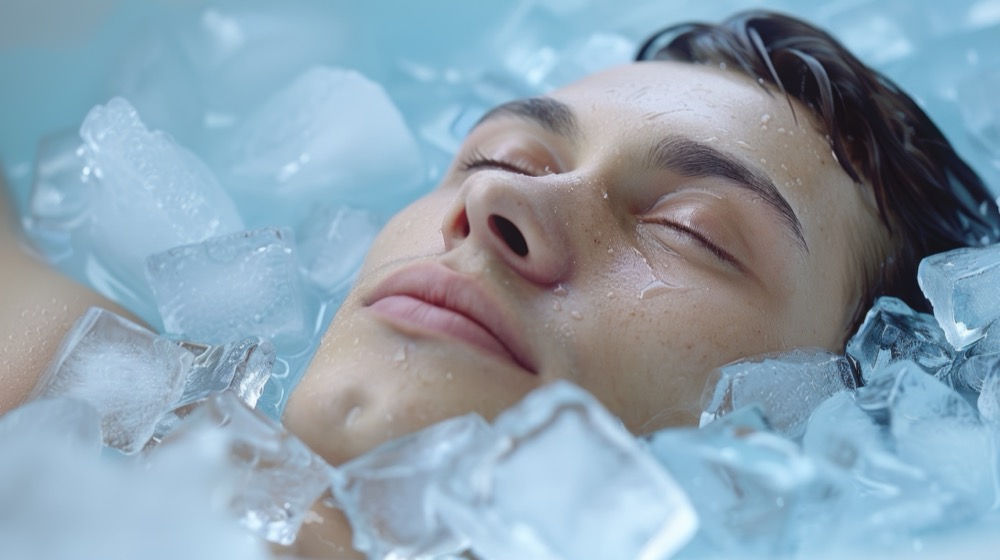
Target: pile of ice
x=800, y=454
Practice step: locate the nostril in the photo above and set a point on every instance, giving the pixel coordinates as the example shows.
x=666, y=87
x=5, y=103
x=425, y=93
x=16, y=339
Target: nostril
x=510, y=234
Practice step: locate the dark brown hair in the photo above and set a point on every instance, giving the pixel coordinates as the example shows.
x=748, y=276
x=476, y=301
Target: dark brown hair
x=927, y=196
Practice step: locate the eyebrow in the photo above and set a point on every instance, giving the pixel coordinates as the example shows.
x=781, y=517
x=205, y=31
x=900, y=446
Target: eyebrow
x=693, y=159
x=674, y=153
x=554, y=116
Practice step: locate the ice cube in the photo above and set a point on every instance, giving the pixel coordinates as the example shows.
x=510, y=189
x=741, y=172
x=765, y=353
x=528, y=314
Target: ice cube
x=277, y=478
x=754, y=491
x=936, y=429
x=384, y=492
x=331, y=134
x=558, y=475
x=64, y=500
x=893, y=332
x=54, y=421
x=961, y=285
x=892, y=500
x=232, y=286
x=128, y=374
x=59, y=195
x=333, y=242
x=152, y=194
x=976, y=361
x=787, y=386
x=242, y=367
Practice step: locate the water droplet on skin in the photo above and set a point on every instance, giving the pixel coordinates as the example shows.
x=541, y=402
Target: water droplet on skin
x=611, y=295
x=781, y=130
x=560, y=291
x=763, y=127
x=763, y=160
x=610, y=250
x=352, y=416
x=744, y=145
x=604, y=195
x=548, y=170
x=765, y=118
x=400, y=354
x=449, y=376
x=654, y=288
x=556, y=306
x=576, y=315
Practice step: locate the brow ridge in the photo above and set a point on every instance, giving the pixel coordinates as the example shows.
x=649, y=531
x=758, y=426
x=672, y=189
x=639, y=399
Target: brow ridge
x=552, y=115
x=694, y=159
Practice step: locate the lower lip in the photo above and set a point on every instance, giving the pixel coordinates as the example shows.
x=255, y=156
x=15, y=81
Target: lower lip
x=413, y=312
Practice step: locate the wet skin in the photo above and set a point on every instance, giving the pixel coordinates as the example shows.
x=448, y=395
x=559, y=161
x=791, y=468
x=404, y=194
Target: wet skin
x=629, y=232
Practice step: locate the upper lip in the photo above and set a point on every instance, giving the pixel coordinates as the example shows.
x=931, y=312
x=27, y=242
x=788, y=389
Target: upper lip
x=440, y=286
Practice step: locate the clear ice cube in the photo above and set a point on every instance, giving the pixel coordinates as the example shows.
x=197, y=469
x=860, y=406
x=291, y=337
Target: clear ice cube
x=152, y=194
x=931, y=427
x=558, y=474
x=276, y=478
x=787, y=386
x=130, y=375
x=893, y=332
x=755, y=492
x=333, y=241
x=961, y=285
x=242, y=367
x=976, y=361
x=232, y=286
x=384, y=492
x=892, y=500
x=59, y=195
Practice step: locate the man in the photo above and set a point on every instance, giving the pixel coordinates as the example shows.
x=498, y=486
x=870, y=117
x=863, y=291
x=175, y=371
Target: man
x=636, y=229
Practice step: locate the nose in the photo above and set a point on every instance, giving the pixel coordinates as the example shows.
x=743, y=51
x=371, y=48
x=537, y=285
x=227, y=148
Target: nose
x=516, y=218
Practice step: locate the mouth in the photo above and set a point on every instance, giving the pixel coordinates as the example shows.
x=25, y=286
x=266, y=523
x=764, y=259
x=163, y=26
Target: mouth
x=434, y=299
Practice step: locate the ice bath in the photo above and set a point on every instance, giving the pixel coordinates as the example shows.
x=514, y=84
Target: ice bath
x=462, y=282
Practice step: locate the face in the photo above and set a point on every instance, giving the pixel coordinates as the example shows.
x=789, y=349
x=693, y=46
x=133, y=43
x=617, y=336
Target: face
x=628, y=233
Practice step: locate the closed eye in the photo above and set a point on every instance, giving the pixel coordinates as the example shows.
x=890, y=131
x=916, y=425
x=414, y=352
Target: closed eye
x=702, y=240
x=477, y=160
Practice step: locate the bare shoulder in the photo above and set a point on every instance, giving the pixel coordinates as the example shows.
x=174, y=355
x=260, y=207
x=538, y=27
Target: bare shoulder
x=37, y=307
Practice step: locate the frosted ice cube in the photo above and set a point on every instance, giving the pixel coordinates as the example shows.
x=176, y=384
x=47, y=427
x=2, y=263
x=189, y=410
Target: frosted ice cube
x=277, y=478
x=384, y=492
x=558, y=475
x=66, y=501
x=128, y=374
x=333, y=242
x=961, y=285
x=936, y=429
x=787, y=386
x=152, y=194
x=754, y=491
x=59, y=195
x=893, y=332
x=54, y=421
x=232, y=286
x=988, y=402
x=332, y=133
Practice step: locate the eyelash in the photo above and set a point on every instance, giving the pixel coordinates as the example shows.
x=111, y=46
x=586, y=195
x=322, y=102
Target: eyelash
x=478, y=160
x=702, y=240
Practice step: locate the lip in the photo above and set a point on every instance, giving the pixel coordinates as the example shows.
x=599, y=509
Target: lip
x=434, y=298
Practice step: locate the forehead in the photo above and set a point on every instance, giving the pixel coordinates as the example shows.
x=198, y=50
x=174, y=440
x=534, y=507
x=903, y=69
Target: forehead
x=631, y=106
